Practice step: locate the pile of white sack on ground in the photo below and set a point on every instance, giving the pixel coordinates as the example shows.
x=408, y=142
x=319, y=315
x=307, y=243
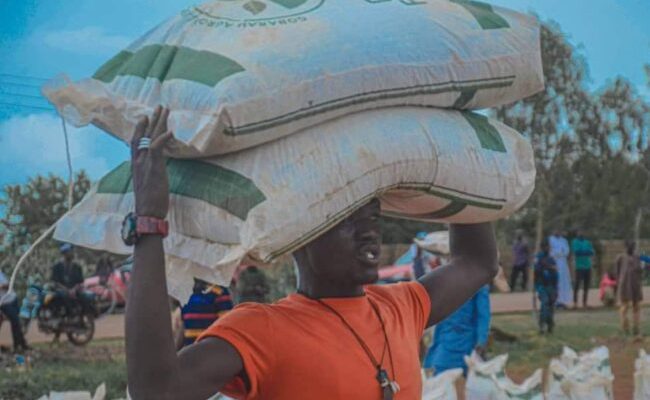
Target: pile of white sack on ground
x=642, y=376
x=586, y=376
x=441, y=386
x=100, y=394
x=336, y=118
x=487, y=380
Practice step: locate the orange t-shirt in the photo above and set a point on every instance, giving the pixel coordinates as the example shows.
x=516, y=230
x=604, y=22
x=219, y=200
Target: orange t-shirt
x=298, y=349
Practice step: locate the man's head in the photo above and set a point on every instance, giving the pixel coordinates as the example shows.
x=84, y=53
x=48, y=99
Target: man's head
x=630, y=246
x=67, y=252
x=580, y=234
x=347, y=255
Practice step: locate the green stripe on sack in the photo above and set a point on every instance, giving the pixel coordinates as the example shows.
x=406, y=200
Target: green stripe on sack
x=165, y=62
x=465, y=97
x=213, y=184
x=488, y=135
x=449, y=210
x=289, y=3
x=484, y=14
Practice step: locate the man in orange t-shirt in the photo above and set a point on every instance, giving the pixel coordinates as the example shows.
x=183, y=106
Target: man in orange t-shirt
x=339, y=337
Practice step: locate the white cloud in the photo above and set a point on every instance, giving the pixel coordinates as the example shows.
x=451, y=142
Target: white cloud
x=89, y=40
x=35, y=144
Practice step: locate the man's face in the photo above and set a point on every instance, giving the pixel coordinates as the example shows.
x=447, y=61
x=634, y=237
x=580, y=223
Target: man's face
x=68, y=256
x=348, y=254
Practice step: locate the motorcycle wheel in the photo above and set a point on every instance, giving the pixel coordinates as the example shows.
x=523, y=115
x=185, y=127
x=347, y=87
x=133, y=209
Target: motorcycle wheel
x=82, y=337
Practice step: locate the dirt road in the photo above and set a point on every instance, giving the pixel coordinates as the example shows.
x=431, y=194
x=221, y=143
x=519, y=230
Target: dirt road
x=113, y=326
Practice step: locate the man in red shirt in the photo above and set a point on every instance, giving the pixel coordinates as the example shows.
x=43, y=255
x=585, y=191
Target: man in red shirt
x=339, y=337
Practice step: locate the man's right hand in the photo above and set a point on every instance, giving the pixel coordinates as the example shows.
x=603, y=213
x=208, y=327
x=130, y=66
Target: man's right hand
x=150, y=182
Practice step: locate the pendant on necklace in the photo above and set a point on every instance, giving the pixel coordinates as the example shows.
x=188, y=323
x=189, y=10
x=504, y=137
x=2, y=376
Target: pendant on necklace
x=388, y=387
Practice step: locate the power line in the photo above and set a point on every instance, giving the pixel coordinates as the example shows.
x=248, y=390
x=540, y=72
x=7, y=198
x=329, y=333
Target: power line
x=32, y=96
x=14, y=105
x=20, y=84
x=25, y=77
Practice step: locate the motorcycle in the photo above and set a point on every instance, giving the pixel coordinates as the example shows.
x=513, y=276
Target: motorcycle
x=110, y=291
x=47, y=305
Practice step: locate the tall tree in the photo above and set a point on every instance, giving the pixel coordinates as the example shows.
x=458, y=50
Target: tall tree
x=546, y=117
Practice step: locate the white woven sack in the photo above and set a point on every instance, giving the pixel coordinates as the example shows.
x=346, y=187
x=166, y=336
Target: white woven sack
x=237, y=73
x=259, y=204
x=435, y=242
x=442, y=386
x=530, y=389
x=100, y=394
x=642, y=376
x=482, y=376
x=578, y=377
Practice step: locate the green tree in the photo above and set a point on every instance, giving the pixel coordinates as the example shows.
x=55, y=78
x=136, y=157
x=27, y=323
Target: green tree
x=29, y=210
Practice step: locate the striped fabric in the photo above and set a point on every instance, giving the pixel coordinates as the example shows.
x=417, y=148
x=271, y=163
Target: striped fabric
x=203, y=309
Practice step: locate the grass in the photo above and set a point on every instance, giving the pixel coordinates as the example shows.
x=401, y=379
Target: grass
x=72, y=368
x=67, y=368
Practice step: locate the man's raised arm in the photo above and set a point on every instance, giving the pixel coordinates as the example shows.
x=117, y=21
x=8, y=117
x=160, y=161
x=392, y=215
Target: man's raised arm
x=155, y=370
x=473, y=264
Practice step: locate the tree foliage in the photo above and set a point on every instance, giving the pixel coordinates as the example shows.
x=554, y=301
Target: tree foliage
x=29, y=210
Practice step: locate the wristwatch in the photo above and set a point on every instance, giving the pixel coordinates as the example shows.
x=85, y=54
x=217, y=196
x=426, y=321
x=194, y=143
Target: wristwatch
x=134, y=227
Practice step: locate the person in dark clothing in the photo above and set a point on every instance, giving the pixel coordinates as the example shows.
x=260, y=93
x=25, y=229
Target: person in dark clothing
x=583, y=253
x=69, y=275
x=546, y=279
x=67, y=272
x=9, y=308
x=206, y=304
x=521, y=254
x=104, y=268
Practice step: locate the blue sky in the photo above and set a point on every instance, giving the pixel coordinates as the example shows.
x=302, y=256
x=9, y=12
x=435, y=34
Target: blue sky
x=40, y=39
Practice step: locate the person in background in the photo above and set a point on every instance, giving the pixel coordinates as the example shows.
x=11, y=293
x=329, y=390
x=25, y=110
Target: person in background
x=464, y=331
x=629, y=276
x=104, y=268
x=546, y=283
x=205, y=306
x=9, y=308
x=252, y=286
x=559, y=250
x=583, y=253
x=67, y=272
x=521, y=257
x=607, y=290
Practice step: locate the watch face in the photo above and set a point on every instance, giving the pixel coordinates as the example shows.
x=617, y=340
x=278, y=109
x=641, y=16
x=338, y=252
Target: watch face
x=128, y=230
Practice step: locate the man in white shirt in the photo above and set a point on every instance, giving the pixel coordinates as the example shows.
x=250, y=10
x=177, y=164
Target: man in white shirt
x=9, y=309
x=560, y=252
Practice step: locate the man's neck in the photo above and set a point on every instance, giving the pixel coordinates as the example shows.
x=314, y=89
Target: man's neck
x=315, y=291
